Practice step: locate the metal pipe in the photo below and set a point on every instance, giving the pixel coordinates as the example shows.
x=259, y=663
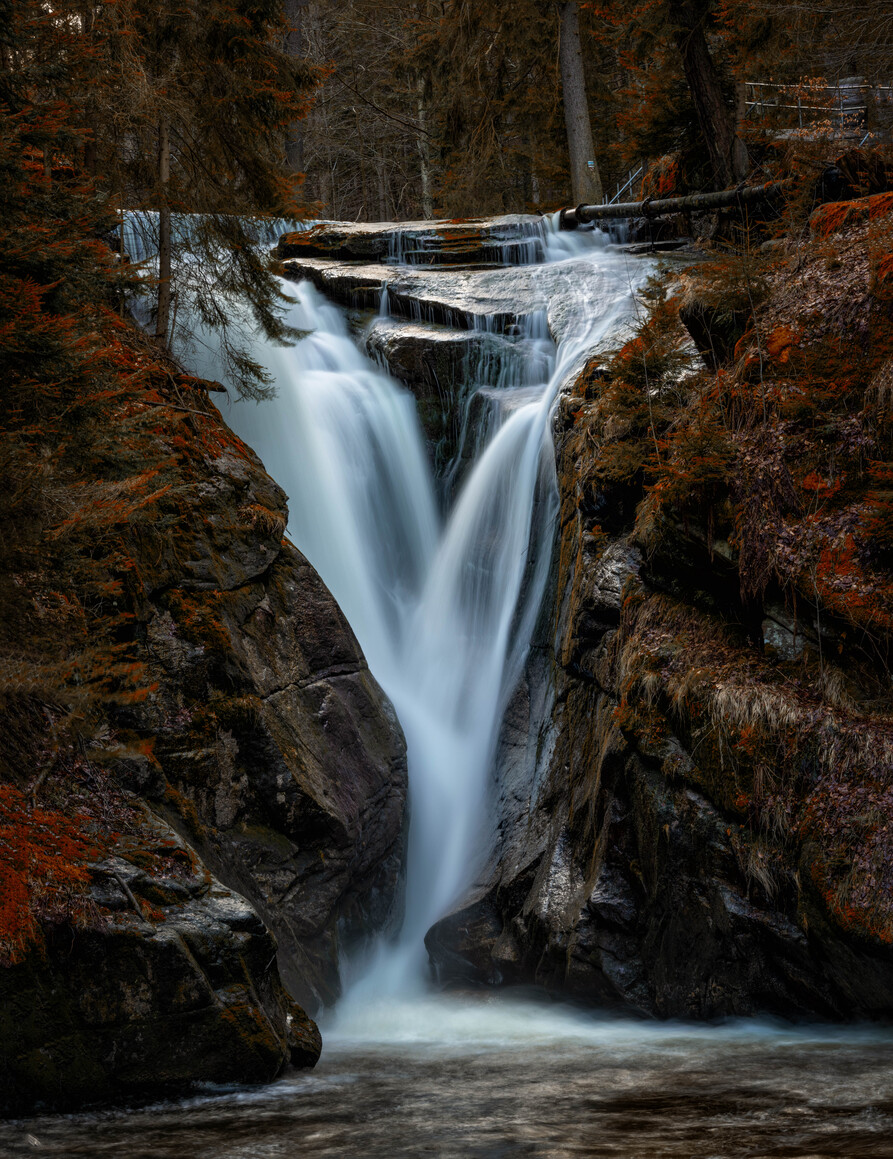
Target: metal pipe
x=571, y=218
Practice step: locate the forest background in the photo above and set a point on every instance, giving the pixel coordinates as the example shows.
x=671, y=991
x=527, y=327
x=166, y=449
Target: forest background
x=391, y=111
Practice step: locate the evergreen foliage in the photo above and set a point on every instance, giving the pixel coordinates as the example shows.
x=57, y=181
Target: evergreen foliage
x=82, y=92
x=175, y=108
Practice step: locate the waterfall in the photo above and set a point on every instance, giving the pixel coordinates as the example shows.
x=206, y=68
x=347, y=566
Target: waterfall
x=443, y=604
x=137, y=231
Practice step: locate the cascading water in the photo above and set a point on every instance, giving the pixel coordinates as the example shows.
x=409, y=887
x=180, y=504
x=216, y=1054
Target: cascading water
x=443, y=605
x=138, y=231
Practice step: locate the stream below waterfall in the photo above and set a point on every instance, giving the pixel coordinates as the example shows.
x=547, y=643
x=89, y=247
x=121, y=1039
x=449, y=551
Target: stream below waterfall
x=468, y=1077
x=442, y=580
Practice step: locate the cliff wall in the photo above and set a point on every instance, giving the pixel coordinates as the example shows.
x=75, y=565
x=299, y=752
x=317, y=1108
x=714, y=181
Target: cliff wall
x=694, y=790
x=220, y=808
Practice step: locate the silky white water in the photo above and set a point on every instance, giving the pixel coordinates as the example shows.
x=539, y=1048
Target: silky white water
x=443, y=605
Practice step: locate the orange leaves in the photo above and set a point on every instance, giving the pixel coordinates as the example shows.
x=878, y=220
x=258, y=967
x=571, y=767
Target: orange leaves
x=877, y=517
x=837, y=215
x=779, y=343
x=832, y=217
x=99, y=506
x=875, y=214
x=839, y=560
x=42, y=868
x=883, y=276
x=822, y=490
x=663, y=177
x=880, y=205
x=631, y=351
x=696, y=461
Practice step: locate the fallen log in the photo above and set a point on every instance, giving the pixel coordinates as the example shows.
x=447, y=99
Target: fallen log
x=657, y=207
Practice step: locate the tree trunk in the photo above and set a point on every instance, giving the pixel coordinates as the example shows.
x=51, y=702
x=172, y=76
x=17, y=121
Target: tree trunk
x=327, y=169
x=361, y=160
x=294, y=46
x=90, y=156
x=719, y=199
x=162, y=316
x=585, y=178
x=424, y=151
x=382, y=189
x=714, y=117
x=740, y=157
x=535, y=194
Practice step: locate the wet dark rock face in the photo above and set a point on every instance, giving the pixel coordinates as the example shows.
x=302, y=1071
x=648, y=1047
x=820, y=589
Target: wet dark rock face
x=622, y=873
x=278, y=754
x=449, y=302
x=491, y=300
x=174, y=981
x=513, y=237
x=264, y=834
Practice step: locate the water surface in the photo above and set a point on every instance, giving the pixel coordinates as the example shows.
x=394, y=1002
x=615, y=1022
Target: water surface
x=487, y=1078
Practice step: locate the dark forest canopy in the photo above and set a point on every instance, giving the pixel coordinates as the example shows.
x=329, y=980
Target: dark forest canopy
x=170, y=107
x=401, y=110
x=461, y=105
x=352, y=110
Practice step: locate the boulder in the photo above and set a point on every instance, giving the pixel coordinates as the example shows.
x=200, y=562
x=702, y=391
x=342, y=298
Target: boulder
x=172, y=981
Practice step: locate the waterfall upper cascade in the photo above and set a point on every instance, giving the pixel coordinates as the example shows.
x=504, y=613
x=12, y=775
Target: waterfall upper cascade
x=441, y=579
x=137, y=232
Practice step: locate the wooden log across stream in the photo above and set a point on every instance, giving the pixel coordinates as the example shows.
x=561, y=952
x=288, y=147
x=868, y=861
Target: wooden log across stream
x=650, y=207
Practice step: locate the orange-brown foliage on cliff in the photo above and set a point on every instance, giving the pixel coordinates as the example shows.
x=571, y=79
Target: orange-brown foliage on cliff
x=42, y=868
x=100, y=433
x=761, y=491
x=81, y=465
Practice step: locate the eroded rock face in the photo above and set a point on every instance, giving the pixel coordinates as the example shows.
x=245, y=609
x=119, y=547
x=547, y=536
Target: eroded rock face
x=278, y=754
x=429, y=356
x=172, y=982
x=275, y=772
x=624, y=872
x=491, y=301
x=441, y=367
x=514, y=237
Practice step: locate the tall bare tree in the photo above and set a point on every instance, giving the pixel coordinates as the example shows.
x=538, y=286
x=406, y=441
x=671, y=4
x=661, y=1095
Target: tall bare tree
x=715, y=117
x=295, y=46
x=586, y=182
x=163, y=310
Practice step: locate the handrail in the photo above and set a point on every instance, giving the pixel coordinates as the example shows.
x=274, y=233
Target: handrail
x=621, y=189
x=837, y=85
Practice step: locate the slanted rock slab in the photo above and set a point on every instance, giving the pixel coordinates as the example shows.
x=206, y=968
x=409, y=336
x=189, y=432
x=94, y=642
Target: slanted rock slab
x=173, y=981
x=514, y=237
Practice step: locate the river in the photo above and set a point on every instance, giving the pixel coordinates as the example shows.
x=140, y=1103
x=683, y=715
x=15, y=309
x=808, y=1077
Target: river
x=477, y=1077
